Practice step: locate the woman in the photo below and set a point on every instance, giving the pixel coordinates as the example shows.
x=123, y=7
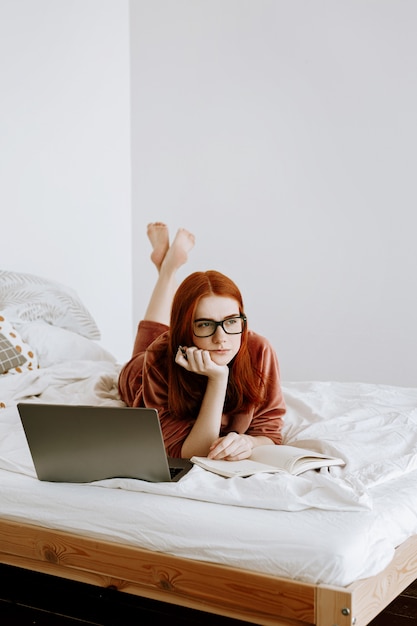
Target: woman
x=215, y=384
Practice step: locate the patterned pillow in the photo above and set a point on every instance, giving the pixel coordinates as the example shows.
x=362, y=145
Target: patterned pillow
x=15, y=354
x=26, y=298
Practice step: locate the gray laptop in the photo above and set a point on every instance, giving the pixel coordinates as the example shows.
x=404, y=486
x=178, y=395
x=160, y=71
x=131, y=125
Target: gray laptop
x=71, y=443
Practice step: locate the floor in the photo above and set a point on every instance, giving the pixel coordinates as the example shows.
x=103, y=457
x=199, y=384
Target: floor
x=47, y=601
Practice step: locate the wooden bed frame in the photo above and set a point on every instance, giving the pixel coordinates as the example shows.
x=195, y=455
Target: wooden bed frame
x=239, y=594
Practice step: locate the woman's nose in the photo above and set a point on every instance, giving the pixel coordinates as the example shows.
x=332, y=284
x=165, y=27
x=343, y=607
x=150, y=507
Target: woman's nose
x=220, y=334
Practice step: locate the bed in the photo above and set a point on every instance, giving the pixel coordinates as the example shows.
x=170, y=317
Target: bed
x=327, y=548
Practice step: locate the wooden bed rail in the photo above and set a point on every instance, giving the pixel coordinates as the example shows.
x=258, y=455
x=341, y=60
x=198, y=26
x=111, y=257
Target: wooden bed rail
x=193, y=584
x=239, y=594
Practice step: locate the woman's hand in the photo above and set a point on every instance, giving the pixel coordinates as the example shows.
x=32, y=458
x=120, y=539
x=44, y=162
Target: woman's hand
x=232, y=447
x=200, y=362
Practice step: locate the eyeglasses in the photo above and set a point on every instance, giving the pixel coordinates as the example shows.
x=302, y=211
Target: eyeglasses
x=231, y=326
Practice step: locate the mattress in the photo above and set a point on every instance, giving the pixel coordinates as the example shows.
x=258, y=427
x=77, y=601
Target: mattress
x=333, y=527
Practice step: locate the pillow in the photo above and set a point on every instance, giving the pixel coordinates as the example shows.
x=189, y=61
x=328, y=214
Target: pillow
x=26, y=297
x=16, y=356
x=56, y=345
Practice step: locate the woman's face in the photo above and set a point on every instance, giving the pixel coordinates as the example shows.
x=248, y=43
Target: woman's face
x=222, y=346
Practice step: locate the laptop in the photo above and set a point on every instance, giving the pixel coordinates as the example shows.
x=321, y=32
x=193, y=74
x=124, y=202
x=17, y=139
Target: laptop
x=72, y=443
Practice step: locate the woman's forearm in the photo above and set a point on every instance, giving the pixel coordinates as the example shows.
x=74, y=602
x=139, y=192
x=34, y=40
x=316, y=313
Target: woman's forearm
x=208, y=422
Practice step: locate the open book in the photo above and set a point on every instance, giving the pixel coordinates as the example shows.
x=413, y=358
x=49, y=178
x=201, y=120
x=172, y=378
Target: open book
x=271, y=459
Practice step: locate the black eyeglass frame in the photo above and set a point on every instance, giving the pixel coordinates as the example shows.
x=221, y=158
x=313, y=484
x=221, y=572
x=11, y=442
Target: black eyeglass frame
x=217, y=324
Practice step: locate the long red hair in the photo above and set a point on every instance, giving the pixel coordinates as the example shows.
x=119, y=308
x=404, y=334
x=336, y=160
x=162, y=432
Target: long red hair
x=186, y=389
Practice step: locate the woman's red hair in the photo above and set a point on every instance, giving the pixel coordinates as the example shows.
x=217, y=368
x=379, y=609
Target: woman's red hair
x=186, y=389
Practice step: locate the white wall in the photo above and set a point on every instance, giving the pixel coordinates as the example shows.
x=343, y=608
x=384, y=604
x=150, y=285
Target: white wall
x=284, y=133
x=65, y=152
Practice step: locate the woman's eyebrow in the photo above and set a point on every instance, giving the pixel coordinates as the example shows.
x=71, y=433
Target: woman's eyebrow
x=210, y=319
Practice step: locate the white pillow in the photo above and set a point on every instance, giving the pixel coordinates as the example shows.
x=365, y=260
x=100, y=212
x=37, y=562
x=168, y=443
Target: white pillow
x=26, y=297
x=16, y=356
x=56, y=345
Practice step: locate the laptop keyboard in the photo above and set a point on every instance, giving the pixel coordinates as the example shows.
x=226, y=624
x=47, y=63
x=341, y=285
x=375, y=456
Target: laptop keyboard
x=174, y=471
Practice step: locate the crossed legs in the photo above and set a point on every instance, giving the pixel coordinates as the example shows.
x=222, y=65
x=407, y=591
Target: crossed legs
x=167, y=260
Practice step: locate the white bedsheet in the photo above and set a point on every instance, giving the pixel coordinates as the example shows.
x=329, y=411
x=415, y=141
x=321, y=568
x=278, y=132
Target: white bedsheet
x=319, y=527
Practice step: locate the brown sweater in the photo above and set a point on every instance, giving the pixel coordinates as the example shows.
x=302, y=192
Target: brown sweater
x=141, y=384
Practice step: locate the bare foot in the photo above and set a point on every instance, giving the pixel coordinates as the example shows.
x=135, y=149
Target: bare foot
x=159, y=238
x=177, y=254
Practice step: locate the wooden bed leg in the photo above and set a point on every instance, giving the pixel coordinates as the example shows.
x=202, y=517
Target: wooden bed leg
x=334, y=608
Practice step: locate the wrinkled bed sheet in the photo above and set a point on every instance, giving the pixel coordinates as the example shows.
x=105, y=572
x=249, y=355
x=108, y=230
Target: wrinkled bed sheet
x=331, y=526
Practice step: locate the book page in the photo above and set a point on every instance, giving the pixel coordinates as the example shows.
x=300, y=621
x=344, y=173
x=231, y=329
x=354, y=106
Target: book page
x=279, y=455
x=290, y=457
x=246, y=467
